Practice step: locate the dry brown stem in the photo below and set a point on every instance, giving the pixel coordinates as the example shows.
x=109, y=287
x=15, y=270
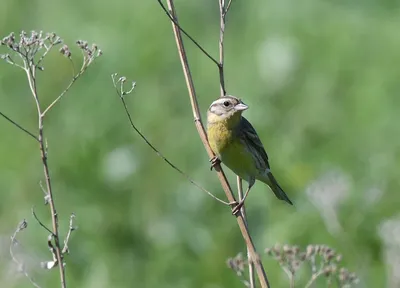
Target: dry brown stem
x=223, y=11
x=222, y=14
x=200, y=129
x=122, y=91
x=252, y=283
x=31, y=50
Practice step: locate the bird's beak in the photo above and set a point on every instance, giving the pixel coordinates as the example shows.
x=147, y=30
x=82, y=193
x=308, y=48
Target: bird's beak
x=241, y=107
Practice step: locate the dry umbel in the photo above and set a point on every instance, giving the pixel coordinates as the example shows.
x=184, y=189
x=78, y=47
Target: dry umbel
x=324, y=261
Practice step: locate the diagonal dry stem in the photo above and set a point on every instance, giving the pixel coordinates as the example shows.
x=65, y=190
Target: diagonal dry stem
x=227, y=8
x=121, y=92
x=73, y=80
x=200, y=129
x=184, y=32
x=18, y=126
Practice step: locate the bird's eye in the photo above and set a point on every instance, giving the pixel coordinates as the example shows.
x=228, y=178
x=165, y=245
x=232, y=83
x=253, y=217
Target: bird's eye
x=226, y=103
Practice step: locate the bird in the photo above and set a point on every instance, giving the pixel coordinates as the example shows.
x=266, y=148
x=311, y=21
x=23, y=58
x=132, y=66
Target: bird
x=236, y=144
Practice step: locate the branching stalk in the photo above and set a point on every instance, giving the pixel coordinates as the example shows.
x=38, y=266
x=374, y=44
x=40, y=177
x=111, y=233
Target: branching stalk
x=31, y=50
x=200, y=129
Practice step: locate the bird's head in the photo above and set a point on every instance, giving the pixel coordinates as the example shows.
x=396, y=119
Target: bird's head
x=225, y=108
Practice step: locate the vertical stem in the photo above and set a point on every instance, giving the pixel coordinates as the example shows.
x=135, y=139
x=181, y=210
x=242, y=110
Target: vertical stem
x=243, y=211
x=291, y=280
x=200, y=129
x=54, y=216
x=222, y=11
x=221, y=47
x=30, y=71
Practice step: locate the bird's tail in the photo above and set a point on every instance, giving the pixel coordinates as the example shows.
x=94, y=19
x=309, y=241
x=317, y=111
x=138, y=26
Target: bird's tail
x=278, y=191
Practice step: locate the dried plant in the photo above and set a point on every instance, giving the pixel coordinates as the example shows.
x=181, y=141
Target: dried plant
x=323, y=262
x=241, y=218
x=27, y=52
x=239, y=264
x=20, y=264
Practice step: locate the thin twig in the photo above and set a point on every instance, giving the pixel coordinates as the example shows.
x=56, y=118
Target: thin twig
x=19, y=126
x=227, y=7
x=184, y=32
x=21, y=267
x=121, y=93
x=252, y=283
x=315, y=273
x=46, y=195
x=71, y=228
x=221, y=47
x=314, y=277
x=200, y=129
x=74, y=78
x=40, y=222
x=48, y=49
x=223, y=10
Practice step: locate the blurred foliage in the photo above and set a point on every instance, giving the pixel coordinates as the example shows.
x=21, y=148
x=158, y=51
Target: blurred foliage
x=321, y=79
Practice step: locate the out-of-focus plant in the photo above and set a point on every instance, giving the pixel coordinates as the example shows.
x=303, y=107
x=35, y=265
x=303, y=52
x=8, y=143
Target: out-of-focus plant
x=323, y=261
x=27, y=52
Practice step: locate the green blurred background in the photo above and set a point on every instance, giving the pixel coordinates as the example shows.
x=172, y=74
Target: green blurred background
x=322, y=82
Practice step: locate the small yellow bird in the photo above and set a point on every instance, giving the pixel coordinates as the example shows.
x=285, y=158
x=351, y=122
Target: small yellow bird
x=237, y=145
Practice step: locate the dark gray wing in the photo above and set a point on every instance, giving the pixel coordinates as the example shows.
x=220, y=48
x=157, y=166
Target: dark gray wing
x=253, y=143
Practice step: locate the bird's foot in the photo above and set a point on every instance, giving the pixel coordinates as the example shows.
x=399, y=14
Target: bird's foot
x=236, y=206
x=214, y=161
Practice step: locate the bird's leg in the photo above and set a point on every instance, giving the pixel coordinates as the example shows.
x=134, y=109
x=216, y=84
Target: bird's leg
x=238, y=206
x=214, y=161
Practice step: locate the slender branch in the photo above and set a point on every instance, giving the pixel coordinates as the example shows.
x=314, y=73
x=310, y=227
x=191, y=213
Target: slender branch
x=200, y=129
x=21, y=267
x=19, y=126
x=70, y=230
x=43, y=153
x=223, y=10
x=74, y=78
x=121, y=93
x=40, y=222
x=30, y=74
x=289, y=274
x=227, y=7
x=252, y=283
x=184, y=32
x=315, y=272
x=48, y=49
x=221, y=47
x=314, y=277
x=9, y=60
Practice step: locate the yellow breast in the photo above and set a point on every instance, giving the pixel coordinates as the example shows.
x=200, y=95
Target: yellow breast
x=230, y=150
x=219, y=136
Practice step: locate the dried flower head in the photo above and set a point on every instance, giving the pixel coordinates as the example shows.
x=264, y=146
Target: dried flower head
x=324, y=262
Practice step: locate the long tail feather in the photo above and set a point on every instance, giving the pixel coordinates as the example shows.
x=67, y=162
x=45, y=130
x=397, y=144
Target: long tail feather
x=278, y=191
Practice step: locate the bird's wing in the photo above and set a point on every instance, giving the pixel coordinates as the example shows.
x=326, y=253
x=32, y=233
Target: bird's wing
x=253, y=143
